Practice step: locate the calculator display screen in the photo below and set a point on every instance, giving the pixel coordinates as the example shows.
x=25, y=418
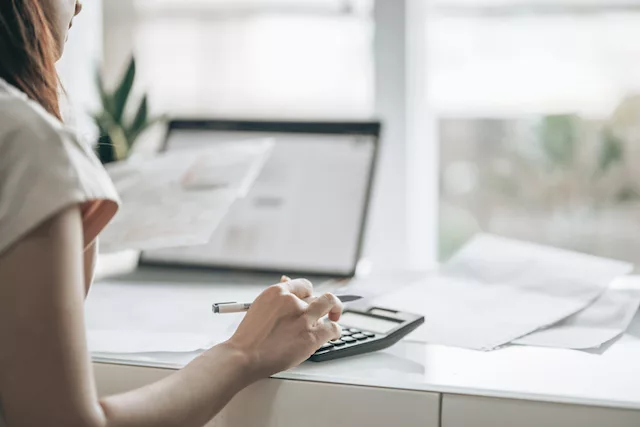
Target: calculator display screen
x=368, y=323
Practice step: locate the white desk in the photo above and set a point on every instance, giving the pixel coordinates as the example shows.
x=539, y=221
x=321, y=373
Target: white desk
x=416, y=384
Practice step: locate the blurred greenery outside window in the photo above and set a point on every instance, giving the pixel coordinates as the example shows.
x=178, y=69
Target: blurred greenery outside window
x=538, y=106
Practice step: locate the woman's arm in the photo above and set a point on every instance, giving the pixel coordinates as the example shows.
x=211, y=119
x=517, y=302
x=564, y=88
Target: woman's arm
x=45, y=371
x=89, y=264
x=190, y=397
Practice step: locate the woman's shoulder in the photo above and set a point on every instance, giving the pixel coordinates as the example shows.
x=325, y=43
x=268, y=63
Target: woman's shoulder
x=23, y=120
x=33, y=140
x=29, y=132
x=44, y=168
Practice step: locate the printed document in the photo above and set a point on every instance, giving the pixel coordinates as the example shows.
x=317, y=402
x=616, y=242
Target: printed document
x=607, y=318
x=179, y=198
x=496, y=290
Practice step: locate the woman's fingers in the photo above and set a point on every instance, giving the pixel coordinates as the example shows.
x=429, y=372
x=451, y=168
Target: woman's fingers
x=327, y=331
x=325, y=304
x=302, y=288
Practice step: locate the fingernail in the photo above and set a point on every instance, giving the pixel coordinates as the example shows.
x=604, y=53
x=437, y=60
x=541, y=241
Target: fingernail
x=285, y=279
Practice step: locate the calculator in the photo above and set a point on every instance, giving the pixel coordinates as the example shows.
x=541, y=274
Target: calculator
x=366, y=330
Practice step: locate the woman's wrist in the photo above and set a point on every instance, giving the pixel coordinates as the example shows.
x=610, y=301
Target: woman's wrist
x=239, y=360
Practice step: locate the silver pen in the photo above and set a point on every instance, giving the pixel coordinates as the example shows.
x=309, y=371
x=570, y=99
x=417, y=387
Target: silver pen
x=241, y=307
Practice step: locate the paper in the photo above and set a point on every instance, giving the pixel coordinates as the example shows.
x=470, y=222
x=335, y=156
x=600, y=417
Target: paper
x=179, y=198
x=146, y=317
x=605, y=319
x=131, y=341
x=496, y=290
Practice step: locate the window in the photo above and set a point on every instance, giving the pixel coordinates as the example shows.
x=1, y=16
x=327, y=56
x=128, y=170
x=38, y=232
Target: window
x=539, y=121
x=249, y=58
x=291, y=59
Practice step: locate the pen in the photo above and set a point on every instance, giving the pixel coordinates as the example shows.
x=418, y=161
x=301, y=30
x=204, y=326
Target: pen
x=240, y=307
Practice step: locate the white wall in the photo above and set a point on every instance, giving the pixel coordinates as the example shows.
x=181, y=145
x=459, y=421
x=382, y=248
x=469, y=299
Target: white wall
x=82, y=57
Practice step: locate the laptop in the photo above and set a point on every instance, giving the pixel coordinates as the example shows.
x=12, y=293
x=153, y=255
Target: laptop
x=305, y=215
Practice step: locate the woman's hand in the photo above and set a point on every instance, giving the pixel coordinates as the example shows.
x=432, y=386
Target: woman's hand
x=283, y=327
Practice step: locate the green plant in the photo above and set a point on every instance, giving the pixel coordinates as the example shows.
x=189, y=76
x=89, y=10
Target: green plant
x=559, y=140
x=611, y=151
x=118, y=132
x=567, y=162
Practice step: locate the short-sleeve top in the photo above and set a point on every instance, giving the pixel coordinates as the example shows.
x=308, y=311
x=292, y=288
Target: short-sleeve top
x=45, y=168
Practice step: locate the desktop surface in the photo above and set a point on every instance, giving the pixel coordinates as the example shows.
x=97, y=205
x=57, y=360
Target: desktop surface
x=610, y=378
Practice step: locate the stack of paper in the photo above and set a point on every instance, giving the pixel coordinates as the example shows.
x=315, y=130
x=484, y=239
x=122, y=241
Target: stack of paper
x=179, y=198
x=605, y=319
x=496, y=290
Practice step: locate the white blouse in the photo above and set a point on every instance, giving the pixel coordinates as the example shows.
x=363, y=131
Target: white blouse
x=44, y=169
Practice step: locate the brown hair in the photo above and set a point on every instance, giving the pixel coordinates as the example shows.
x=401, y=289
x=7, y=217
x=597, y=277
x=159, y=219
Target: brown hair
x=28, y=52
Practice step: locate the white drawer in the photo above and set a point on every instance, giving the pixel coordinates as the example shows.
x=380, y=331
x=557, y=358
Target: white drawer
x=286, y=403
x=471, y=411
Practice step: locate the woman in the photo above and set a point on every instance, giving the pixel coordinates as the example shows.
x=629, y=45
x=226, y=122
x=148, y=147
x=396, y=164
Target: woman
x=55, y=198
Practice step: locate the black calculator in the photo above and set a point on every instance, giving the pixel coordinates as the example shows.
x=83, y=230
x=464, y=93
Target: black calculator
x=366, y=330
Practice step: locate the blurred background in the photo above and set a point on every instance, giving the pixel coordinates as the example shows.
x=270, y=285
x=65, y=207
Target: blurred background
x=517, y=117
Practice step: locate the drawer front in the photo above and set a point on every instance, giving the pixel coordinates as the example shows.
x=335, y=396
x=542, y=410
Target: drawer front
x=286, y=403
x=471, y=411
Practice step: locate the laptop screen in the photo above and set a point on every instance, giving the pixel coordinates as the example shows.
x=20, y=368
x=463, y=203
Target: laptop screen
x=306, y=211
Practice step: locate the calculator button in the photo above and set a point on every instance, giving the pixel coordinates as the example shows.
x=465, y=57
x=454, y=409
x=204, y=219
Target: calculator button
x=359, y=337
x=325, y=346
x=354, y=331
x=346, y=333
x=368, y=334
x=337, y=343
x=348, y=340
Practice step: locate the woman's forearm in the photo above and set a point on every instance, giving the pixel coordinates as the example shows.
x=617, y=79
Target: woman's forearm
x=190, y=397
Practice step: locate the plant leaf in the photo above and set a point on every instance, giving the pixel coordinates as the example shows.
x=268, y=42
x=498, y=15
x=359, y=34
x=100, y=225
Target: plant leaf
x=559, y=139
x=100, y=123
x=104, y=121
x=123, y=91
x=148, y=124
x=119, y=141
x=627, y=194
x=107, y=100
x=140, y=121
x=611, y=151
